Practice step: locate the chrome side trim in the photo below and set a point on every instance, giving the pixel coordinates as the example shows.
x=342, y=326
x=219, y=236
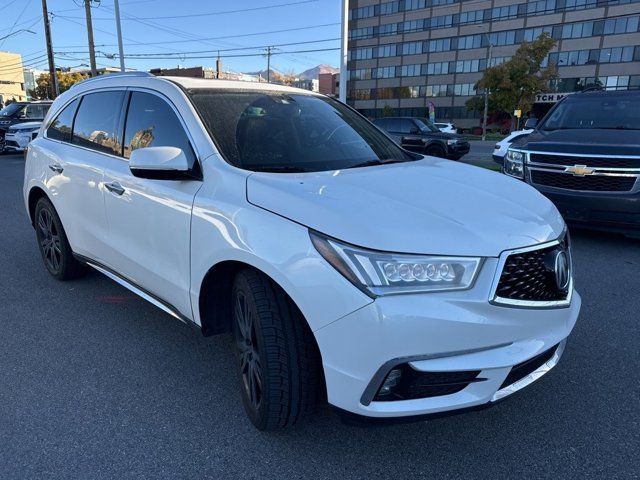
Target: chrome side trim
x=581, y=155
x=533, y=376
x=494, y=299
x=139, y=291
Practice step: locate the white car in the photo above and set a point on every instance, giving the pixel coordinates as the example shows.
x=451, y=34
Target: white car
x=446, y=127
x=19, y=135
x=500, y=149
x=390, y=283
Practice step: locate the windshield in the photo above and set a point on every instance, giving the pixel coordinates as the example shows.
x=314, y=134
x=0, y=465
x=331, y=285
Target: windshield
x=615, y=111
x=10, y=109
x=289, y=132
x=428, y=126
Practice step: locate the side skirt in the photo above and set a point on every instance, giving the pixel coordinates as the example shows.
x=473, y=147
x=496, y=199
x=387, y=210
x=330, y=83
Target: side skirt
x=141, y=292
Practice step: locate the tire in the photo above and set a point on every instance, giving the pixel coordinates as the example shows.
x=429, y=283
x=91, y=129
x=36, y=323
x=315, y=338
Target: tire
x=53, y=243
x=279, y=363
x=435, y=151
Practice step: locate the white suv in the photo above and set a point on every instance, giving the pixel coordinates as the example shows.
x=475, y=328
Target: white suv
x=390, y=283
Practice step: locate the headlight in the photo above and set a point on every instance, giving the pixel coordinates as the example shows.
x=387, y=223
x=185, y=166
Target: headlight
x=452, y=141
x=514, y=163
x=381, y=273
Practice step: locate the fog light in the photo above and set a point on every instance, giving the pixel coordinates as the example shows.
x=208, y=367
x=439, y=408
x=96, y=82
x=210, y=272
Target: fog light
x=390, y=382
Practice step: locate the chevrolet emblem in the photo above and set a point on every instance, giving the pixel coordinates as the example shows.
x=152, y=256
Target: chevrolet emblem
x=580, y=170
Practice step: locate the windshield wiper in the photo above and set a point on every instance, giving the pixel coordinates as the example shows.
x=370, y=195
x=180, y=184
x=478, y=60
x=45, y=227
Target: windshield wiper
x=374, y=162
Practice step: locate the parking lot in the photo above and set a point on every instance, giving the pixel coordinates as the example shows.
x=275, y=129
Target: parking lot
x=96, y=383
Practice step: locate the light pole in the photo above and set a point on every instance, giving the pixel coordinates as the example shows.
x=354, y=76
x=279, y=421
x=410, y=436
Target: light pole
x=116, y=7
x=486, y=94
x=342, y=92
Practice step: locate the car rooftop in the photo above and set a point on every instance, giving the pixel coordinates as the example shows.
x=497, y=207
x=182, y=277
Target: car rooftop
x=124, y=79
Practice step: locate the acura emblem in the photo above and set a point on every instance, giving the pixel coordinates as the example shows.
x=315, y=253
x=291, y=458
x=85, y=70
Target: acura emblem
x=561, y=269
x=580, y=170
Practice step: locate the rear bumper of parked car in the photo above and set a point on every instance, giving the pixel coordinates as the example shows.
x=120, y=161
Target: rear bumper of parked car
x=448, y=335
x=618, y=212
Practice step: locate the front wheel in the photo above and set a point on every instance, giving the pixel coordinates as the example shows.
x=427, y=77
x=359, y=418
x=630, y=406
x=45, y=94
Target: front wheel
x=435, y=151
x=278, y=360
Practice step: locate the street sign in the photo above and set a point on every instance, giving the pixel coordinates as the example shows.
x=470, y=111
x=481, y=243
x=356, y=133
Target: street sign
x=517, y=113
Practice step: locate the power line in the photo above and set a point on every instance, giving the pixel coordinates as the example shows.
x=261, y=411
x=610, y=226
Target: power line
x=17, y=20
x=210, y=14
x=242, y=35
x=214, y=52
x=230, y=56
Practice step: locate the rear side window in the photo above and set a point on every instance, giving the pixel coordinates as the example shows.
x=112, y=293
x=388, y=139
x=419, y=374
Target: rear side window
x=406, y=125
x=35, y=111
x=61, y=127
x=96, y=124
x=151, y=122
x=393, y=125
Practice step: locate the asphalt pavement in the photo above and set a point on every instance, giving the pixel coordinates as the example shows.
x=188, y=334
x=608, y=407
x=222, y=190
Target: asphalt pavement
x=97, y=383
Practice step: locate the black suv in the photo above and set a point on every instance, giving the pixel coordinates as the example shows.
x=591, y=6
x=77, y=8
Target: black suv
x=585, y=156
x=19, y=112
x=421, y=136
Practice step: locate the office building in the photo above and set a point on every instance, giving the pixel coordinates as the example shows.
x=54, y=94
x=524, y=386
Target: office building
x=11, y=78
x=406, y=55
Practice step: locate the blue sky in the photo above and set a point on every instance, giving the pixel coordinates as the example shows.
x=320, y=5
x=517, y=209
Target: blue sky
x=187, y=26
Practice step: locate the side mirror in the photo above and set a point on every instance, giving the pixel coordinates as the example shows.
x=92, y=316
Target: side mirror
x=531, y=123
x=160, y=163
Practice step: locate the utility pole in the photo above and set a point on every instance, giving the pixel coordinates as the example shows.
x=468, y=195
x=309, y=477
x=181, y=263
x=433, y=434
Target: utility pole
x=92, y=52
x=53, y=79
x=486, y=95
x=218, y=65
x=269, y=52
x=342, y=89
x=116, y=7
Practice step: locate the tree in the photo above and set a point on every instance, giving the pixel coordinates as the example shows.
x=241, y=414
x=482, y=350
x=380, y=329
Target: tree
x=514, y=84
x=65, y=81
x=388, y=111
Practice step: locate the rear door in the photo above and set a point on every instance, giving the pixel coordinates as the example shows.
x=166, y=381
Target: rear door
x=150, y=220
x=81, y=138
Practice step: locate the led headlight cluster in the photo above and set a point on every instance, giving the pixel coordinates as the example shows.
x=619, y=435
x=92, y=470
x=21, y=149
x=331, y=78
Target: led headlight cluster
x=514, y=163
x=380, y=273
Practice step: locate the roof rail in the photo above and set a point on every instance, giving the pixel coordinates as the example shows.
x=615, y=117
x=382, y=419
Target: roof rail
x=114, y=74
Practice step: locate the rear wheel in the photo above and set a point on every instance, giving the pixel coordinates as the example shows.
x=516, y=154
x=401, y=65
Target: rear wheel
x=278, y=360
x=53, y=244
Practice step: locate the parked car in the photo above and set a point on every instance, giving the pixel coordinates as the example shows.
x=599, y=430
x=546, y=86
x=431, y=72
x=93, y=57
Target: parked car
x=446, y=127
x=344, y=266
x=500, y=150
x=585, y=156
x=421, y=136
x=20, y=112
x=19, y=135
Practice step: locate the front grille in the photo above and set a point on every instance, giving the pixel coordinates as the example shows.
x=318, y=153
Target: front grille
x=414, y=384
x=11, y=143
x=601, y=162
x=521, y=370
x=591, y=183
x=530, y=276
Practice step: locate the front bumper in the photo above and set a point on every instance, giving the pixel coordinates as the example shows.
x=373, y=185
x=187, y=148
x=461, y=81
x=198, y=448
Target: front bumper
x=458, y=150
x=445, y=332
x=618, y=212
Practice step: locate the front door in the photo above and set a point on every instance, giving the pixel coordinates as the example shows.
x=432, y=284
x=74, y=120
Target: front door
x=150, y=220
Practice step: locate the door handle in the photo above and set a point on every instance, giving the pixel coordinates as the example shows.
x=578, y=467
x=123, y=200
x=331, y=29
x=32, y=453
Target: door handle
x=114, y=187
x=56, y=167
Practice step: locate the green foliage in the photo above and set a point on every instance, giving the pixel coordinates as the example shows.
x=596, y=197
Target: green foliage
x=65, y=81
x=387, y=111
x=514, y=84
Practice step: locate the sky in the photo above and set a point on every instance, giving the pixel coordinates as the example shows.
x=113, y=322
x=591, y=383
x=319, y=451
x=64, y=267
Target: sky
x=180, y=30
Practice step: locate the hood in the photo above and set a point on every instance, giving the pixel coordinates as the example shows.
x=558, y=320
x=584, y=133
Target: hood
x=25, y=125
x=430, y=206
x=588, y=141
